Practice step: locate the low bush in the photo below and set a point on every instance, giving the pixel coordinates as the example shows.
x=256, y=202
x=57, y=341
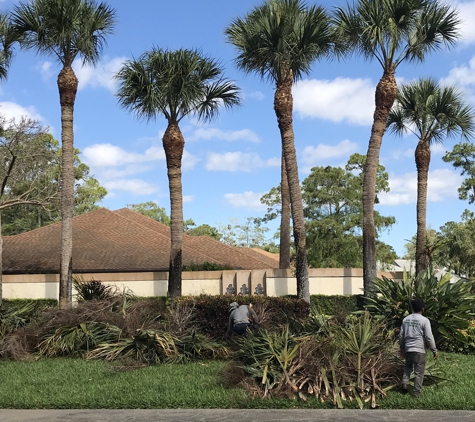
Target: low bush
x=336, y=304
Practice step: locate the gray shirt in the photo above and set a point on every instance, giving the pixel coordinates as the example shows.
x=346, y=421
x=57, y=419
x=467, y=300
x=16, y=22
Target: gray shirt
x=416, y=334
x=241, y=316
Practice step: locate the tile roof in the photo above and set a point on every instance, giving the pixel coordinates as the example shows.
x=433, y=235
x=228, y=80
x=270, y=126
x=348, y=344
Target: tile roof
x=117, y=241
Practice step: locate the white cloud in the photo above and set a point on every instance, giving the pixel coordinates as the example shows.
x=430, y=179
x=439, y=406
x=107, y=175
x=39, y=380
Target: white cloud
x=442, y=185
x=399, y=154
x=213, y=133
x=256, y=95
x=311, y=155
x=108, y=155
x=188, y=198
x=466, y=11
x=133, y=186
x=239, y=161
x=249, y=199
x=342, y=99
x=101, y=75
x=188, y=161
x=461, y=76
x=12, y=110
x=46, y=70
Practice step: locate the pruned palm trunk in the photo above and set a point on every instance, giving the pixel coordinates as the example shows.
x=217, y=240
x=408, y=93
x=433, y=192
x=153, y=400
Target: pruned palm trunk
x=173, y=144
x=384, y=98
x=67, y=85
x=283, y=106
x=422, y=163
x=284, y=249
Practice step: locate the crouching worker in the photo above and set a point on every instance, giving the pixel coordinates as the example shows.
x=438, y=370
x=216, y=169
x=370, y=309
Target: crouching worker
x=240, y=318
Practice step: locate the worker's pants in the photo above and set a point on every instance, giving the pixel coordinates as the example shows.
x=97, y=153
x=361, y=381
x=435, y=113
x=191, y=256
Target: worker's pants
x=415, y=361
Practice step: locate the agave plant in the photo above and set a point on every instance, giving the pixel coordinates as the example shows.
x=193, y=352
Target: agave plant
x=79, y=339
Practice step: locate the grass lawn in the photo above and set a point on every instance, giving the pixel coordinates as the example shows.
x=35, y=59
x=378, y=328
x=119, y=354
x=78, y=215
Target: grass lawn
x=74, y=383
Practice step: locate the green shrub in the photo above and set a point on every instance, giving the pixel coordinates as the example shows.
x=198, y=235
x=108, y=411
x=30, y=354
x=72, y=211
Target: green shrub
x=449, y=306
x=335, y=304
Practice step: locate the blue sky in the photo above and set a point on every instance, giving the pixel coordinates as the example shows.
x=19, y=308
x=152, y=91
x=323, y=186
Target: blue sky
x=229, y=163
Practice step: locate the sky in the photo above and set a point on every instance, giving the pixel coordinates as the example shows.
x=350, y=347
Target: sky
x=231, y=162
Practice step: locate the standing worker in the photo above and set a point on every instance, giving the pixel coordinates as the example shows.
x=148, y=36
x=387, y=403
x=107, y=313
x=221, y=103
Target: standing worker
x=414, y=338
x=240, y=318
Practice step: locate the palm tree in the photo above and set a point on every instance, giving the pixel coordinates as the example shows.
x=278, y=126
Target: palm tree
x=175, y=84
x=65, y=29
x=432, y=113
x=279, y=40
x=391, y=31
x=7, y=38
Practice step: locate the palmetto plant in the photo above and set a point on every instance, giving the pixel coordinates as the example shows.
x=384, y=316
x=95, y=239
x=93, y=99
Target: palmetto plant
x=432, y=112
x=147, y=346
x=79, y=339
x=392, y=32
x=65, y=29
x=449, y=305
x=175, y=84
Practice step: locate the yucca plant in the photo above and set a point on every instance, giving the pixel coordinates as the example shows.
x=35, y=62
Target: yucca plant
x=15, y=317
x=267, y=357
x=449, y=305
x=92, y=289
x=78, y=340
x=147, y=346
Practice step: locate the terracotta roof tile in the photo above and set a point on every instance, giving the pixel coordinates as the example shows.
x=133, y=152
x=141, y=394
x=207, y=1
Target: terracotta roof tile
x=118, y=241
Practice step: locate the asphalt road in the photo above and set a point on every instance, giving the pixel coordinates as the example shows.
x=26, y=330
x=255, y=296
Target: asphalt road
x=239, y=415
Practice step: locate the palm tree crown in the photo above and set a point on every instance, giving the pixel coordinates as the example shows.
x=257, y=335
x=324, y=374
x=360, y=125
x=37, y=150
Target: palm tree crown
x=176, y=84
x=7, y=38
x=65, y=28
x=431, y=112
x=281, y=37
x=393, y=31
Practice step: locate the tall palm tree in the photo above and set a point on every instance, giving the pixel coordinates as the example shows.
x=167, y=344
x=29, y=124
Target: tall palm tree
x=279, y=40
x=65, y=29
x=390, y=31
x=175, y=84
x=7, y=38
x=432, y=113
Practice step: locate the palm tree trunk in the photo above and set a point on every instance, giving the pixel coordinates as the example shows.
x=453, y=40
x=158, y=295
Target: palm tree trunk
x=174, y=143
x=384, y=98
x=284, y=249
x=67, y=85
x=422, y=156
x=283, y=107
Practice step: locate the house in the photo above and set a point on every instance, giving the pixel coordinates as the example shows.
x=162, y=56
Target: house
x=120, y=241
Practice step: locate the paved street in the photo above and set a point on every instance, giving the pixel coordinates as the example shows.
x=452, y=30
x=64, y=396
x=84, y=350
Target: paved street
x=241, y=415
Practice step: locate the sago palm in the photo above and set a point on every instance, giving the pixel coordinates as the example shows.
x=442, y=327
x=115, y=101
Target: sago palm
x=279, y=40
x=175, y=84
x=65, y=29
x=432, y=113
x=390, y=31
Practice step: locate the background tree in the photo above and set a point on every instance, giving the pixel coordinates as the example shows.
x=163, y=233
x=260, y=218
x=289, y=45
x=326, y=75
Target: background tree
x=25, y=168
x=390, y=31
x=175, y=84
x=432, y=113
x=334, y=215
x=463, y=157
x=65, y=29
x=279, y=40
x=251, y=234
x=205, y=230
x=152, y=210
x=457, y=246
x=88, y=193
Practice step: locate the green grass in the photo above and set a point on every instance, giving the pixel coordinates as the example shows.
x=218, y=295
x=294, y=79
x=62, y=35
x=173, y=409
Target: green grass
x=74, y=383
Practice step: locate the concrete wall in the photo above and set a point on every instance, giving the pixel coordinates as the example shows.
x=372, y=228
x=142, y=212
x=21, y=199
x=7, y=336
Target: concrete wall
x=325, y=281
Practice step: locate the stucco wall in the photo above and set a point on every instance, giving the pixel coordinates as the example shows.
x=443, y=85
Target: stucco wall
x=326, y=281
